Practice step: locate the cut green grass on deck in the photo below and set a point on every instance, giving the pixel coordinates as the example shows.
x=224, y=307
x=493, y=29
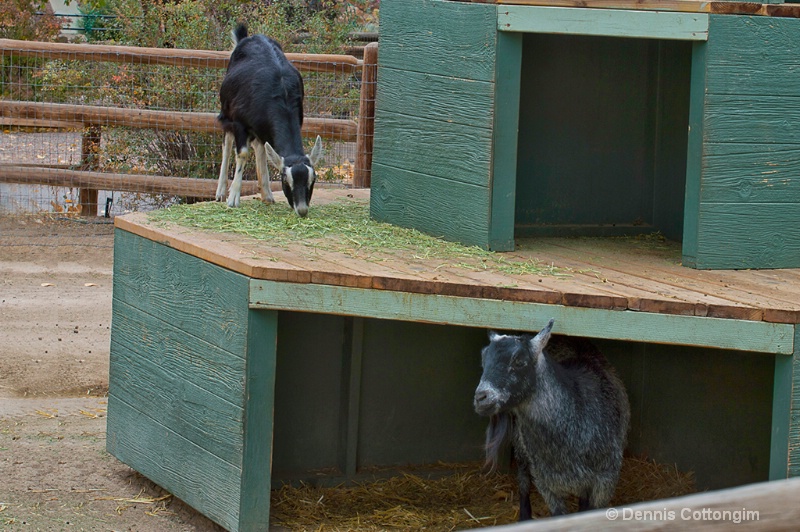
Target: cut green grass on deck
x=343, y=226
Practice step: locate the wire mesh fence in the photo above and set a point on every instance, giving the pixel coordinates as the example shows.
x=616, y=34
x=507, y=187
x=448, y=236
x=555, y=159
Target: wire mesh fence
x=95, y=130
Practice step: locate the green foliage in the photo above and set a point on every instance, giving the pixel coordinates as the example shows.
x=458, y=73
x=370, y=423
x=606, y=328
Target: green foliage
x=29, y=20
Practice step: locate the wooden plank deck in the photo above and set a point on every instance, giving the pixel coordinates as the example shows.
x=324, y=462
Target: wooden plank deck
x=637, y=274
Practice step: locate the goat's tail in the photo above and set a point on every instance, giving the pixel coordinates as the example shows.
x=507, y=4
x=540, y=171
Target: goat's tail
x=496, y=434
x=239, y=33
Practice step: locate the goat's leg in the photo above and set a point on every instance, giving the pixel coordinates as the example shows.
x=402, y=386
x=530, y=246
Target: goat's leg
x=262, y=171
x=524, y=483
x=236, y=187
x=556, y=503
x=222, y=184
x=600, y=493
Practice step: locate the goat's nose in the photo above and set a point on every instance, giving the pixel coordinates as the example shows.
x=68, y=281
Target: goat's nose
x=481, y=396
x=302, y=210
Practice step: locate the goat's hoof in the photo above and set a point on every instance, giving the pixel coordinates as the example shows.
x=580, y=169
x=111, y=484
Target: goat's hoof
x=219, y=198
x=233, y=202
x=268, y=201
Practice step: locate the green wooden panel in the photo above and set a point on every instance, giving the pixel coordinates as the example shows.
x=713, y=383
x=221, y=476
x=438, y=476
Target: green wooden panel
x=794, y=420
x=752, y=173
x=694, y=155
x=753, y=55
x=755, y=119
x=176, y=352
x=197, y=296
x=307, y=394
x=439, y=37
x=445, y=98
x=606, y=22
x=755, y=235
x=178, y=338
x=446, y=150
x=192, y=412
x=585, y=156
x=594, y=323
x=709, y=412
x=672, y=101
x=256, y=476
x=506, y=133
x=430, y=204
x=783, y=413
x=197, y=477
x=416, y=394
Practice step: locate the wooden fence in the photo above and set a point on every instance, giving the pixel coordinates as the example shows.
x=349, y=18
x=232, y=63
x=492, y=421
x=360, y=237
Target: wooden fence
x=91, y=118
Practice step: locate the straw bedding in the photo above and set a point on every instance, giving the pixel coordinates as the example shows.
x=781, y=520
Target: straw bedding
x=464, y=497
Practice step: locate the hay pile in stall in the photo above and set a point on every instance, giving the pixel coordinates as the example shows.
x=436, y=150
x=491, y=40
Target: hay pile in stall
x=465, y=498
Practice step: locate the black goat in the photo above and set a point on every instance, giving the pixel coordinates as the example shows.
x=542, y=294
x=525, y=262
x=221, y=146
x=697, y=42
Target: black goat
x=568, y=412
x=262, y=105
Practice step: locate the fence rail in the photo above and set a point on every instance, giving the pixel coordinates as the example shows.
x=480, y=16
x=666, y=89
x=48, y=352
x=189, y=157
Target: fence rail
x=87, y=175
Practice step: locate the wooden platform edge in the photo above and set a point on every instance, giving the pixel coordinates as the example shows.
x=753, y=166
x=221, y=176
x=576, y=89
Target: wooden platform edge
x=740, y=335
x=682, y=6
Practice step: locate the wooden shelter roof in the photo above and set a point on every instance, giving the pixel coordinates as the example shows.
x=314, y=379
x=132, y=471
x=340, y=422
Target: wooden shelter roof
x=639, y=274
x=687, y=6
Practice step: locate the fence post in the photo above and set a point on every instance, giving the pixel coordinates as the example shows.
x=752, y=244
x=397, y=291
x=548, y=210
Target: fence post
x=90, y=160
x=362, y=175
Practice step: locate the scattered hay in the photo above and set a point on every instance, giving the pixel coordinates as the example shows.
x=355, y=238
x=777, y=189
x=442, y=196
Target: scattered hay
x=342, y=226
x=465, y=498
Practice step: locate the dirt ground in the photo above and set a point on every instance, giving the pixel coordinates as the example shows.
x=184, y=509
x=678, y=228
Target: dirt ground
x=55, y=318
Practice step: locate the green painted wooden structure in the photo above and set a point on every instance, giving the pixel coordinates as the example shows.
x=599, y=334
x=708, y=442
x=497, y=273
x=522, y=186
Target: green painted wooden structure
x=232, y=373
x=497, y=121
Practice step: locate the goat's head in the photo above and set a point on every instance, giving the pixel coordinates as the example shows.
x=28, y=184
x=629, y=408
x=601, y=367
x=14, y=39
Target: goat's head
x=509, y=370
x=297, y=175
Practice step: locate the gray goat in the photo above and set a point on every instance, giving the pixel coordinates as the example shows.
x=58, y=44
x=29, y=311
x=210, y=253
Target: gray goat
x=568, y=412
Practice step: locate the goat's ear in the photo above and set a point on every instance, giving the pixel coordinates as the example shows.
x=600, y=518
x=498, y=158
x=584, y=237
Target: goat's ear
x=273, y=157
x=539, y=342
x=316, y=152
x=493, y=336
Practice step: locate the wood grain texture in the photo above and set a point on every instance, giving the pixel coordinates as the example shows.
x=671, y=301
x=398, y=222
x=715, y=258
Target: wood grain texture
x=752, y=173
x=445, y=150
x=735, y=235
x=195, y=413
x=176, y=403
x=595, y=323
x=764, y=119
x=445, y=98
x=168, y=348
x=441, y=207
x=199, y=298
x=439, y=37
x=754, y=56
x=197, y=477
x=603, y=22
